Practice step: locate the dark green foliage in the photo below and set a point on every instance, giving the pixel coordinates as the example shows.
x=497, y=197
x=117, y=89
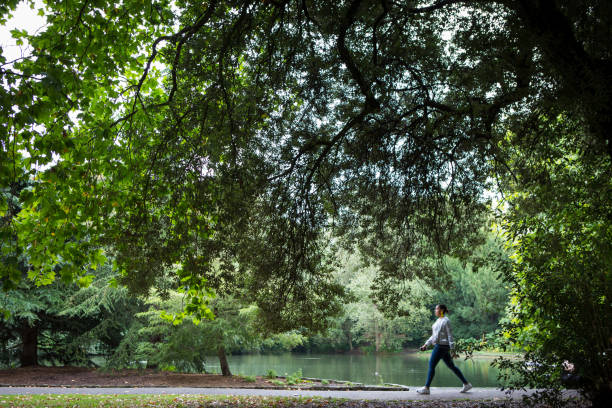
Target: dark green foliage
x=112, y=309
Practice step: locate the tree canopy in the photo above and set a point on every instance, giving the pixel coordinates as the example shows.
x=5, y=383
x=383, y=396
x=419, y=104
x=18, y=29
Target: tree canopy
x=273, y=121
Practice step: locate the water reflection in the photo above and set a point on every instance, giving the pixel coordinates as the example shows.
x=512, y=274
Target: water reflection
x=405, y=368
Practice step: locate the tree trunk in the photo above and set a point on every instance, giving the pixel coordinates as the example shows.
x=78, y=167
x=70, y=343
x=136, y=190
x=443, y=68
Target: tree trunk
x=223, y=361
x=29, y=350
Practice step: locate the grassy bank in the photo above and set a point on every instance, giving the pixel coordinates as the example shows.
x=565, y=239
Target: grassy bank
x=184, y=401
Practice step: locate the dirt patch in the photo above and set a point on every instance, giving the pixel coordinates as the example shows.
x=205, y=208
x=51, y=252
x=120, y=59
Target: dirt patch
x=79, y=376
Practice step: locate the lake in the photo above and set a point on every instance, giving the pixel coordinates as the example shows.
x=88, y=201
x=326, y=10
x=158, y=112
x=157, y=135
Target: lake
x=402, y=368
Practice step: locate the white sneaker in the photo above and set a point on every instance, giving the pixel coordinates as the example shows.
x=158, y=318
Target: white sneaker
x=466, y=387
x=424, y=391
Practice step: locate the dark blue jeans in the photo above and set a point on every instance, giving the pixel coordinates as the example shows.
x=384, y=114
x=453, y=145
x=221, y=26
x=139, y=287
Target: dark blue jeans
x=442, y=352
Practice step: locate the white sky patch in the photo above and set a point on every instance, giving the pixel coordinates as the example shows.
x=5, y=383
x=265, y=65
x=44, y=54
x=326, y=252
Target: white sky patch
x=24, y=18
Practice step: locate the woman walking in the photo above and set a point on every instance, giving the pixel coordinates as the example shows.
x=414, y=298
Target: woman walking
x=442, y=340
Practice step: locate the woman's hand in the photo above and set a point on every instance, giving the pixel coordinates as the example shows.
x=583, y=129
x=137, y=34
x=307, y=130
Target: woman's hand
x=423, y=348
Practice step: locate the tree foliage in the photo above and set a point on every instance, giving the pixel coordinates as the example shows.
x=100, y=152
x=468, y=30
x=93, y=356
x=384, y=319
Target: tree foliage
x=474, y=290
x=558, y=222
x=187, y=346
x=380, y=115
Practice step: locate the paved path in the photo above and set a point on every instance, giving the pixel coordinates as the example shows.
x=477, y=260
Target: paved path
x=437, y=393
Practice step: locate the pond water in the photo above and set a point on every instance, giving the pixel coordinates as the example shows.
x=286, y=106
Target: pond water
x=402, y=368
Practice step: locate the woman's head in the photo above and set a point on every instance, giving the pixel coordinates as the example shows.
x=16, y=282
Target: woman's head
x=441, y=310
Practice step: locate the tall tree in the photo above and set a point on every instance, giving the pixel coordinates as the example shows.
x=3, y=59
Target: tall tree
x=62, y=323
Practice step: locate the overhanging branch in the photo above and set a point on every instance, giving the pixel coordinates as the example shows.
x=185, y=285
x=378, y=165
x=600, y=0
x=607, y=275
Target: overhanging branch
x=182, y=36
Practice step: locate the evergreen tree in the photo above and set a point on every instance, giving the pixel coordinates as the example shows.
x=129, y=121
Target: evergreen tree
x=64, y=324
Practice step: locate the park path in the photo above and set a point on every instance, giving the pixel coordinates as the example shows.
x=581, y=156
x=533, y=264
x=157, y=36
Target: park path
x=437, y=393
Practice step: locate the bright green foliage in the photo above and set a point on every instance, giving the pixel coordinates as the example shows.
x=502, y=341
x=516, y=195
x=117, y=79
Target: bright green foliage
x=473, y=290
x=373, y=328
x=96, y=188
x=57, y=323
x=284, y=341
x=294, y=378
x=64, y=216
x=557, y=220
x=362, y=324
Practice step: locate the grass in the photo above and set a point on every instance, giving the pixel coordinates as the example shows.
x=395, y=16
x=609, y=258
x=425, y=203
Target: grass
x=167, y=401
x=247, y=378
x=192, y=401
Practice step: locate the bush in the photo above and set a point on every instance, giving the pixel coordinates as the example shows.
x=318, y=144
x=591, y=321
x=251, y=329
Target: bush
x=295, y=378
